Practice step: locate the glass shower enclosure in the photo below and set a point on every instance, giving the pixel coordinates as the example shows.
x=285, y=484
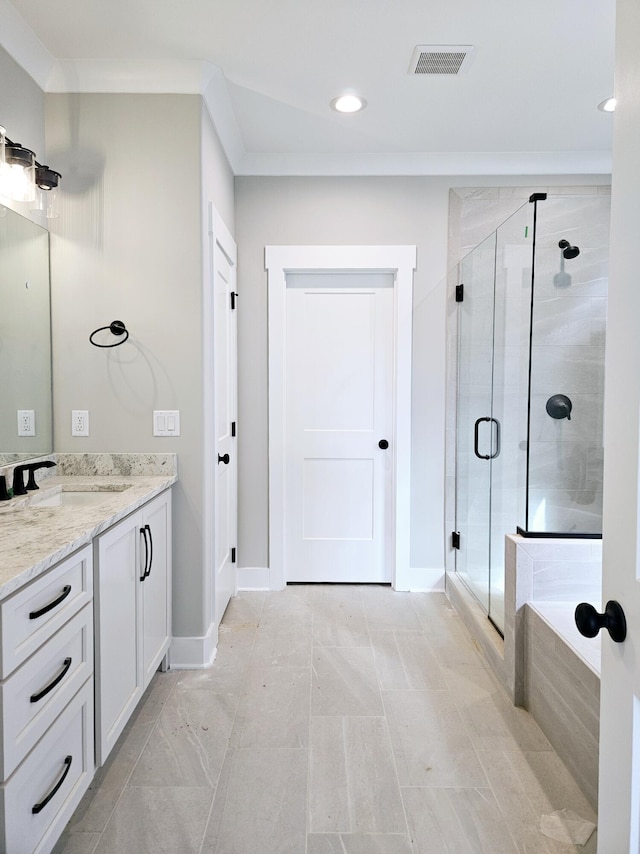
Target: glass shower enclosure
x=531, y=306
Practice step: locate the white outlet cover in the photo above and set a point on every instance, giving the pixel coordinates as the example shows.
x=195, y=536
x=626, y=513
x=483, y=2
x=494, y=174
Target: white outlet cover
x=166, y=422
x=26, y=422
x=79, y=422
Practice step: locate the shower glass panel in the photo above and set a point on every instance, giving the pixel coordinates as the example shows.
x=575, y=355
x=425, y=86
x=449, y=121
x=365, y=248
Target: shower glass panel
x=564, y=489
x=473, y=475
x=492, y=392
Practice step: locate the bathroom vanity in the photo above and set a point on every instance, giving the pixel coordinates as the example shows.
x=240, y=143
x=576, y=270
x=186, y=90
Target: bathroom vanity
x=85, y=621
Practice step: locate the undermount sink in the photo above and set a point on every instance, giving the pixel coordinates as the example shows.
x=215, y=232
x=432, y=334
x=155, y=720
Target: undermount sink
x=78, y=498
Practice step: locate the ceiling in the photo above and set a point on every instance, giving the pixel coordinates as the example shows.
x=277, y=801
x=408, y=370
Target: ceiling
x=269, y=68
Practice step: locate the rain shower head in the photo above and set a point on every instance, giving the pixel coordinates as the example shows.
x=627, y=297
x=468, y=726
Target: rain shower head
x=568, y=251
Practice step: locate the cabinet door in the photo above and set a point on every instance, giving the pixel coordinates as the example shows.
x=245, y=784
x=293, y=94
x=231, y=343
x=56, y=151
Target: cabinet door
x=156, y=587
x=117, y=627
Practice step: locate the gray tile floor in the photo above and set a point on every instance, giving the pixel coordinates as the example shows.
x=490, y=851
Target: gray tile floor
x=335, y=720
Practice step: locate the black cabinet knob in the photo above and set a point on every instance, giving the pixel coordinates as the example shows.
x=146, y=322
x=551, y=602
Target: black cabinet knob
x=383, y=444
x=224, y=459
x=589, y=621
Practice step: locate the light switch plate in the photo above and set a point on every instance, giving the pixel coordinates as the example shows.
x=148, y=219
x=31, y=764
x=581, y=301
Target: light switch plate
x=26, y=422
x=166, y=422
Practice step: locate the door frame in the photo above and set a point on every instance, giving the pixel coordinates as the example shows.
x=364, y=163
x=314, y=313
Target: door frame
x=401, y=261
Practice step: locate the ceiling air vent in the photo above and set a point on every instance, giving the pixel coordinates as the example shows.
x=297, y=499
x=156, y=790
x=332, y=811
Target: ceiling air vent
x=440, y=59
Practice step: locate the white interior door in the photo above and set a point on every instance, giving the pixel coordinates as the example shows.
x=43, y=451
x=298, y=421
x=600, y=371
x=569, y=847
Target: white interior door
x=619, y=782
x=339, y=407
x=225, y=419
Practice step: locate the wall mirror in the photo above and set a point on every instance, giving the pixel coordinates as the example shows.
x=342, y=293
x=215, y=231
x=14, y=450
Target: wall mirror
x=25, y=339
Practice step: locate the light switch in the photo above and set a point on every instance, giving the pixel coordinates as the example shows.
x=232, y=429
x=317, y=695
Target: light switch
x=166, y=422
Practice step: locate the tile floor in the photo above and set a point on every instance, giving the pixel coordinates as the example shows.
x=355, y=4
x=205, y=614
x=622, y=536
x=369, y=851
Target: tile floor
x=335, y=720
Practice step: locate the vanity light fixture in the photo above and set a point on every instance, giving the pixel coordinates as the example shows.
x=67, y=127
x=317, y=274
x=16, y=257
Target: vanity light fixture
x=23, y=179
x=348, y=103
x=608, y=105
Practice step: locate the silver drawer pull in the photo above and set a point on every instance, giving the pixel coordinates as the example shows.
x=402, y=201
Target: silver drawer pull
x=65, y=669
x=36, y=808
x=39, y=613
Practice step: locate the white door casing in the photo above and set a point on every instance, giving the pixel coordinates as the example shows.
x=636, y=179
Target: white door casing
x=619, y=778
x=339, y=343
x=401, y=262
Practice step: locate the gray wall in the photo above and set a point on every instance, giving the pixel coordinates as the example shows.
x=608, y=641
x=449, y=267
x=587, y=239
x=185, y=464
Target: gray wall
x=128, y=246
x=21, y=114
x=343, y=211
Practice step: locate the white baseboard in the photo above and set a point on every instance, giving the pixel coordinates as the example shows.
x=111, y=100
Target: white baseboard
x=423, y=580
x=253, y=578
x=194, y=653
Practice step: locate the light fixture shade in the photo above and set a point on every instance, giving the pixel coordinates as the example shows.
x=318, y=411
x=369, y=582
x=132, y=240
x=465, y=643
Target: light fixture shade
x=46, y=195
x=18, y=174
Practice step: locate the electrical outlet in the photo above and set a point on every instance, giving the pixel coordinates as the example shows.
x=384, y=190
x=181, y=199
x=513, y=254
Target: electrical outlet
x=26, y=422
x=79, y=422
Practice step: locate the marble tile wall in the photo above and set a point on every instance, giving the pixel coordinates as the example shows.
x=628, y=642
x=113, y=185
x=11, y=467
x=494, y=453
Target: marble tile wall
x=563, y=694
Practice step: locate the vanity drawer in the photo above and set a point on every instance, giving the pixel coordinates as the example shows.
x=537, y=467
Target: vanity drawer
x=52, y=779
x=35, y=694
x=33, y=614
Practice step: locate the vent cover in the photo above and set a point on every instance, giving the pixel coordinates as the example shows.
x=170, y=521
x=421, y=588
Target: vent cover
x=440, y=59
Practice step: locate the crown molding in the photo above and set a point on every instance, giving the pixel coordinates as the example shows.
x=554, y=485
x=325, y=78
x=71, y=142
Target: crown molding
x=427, y=163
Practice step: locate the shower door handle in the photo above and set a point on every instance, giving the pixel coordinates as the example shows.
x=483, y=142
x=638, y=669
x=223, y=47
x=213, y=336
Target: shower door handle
x=476, y=431
x=497, y=451
x=476, y=438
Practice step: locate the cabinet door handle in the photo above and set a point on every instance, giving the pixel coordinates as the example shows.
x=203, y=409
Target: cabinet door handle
x=36, y=808
x=148, y=572
x=65, y=669
x=41, y=611
x=143, y=531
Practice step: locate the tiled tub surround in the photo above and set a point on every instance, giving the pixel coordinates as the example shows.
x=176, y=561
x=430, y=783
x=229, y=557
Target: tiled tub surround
x=543, y=663
x=33, y=539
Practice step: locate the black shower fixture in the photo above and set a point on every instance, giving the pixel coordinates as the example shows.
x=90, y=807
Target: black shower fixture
x=568, y=251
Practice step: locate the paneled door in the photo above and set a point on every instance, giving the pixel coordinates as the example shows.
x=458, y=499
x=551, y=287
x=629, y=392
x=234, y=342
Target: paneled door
x=225, y=310
x=339, y=420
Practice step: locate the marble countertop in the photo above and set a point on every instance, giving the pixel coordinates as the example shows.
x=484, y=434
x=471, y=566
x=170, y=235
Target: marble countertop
x=33, y=538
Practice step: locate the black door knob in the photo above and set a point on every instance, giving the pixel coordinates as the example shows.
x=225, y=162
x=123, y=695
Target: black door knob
x=589, y=621
x=383, y=444
x=223, y=459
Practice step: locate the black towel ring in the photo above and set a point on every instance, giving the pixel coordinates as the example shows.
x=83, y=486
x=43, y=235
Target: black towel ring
x=116, y=327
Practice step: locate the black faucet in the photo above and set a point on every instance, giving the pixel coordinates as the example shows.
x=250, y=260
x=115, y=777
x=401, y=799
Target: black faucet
x=4, y=494
x=33, y=467
x=18, y=483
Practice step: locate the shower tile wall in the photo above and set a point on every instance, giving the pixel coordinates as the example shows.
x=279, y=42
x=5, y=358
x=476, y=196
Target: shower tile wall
x=569, y=323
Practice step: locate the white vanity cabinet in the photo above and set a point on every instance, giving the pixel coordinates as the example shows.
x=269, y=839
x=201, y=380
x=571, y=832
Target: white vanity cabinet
x=46, y=704
x=132, y=580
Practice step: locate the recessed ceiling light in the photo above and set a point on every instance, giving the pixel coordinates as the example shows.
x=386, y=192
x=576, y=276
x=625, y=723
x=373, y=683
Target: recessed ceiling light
x=348, y=104
x=608, y=105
